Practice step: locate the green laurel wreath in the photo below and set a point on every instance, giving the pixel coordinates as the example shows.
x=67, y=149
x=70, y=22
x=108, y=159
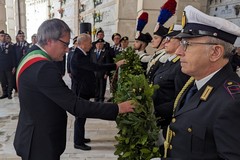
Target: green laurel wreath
x=138, y=131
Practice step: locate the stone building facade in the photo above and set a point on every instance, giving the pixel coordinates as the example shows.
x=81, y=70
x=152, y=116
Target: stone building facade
x=112, y=15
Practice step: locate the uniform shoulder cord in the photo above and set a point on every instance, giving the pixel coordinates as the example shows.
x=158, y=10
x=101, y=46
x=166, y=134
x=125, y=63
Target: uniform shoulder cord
x=169, y=132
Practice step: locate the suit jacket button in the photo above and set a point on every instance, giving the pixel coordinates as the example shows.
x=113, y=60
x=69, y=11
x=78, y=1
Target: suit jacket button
x=189, y=130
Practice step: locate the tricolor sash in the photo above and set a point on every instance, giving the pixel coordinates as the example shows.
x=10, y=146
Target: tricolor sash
x=29, y=59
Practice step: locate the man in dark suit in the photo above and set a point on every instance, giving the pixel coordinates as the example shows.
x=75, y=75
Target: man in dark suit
x=205, y=124
x=45, y=98
x=7, y=66
x=84, y=82
x=61, y=65
x=100, y=56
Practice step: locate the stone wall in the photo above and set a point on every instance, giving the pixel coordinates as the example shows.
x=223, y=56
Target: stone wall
x=115, y=15
x=3, y=25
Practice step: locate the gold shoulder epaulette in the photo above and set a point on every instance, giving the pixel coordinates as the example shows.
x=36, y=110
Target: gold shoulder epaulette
x=175, y=59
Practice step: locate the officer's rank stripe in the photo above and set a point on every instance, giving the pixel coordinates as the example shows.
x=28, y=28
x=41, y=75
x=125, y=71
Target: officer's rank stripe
x=234, y=89
x=206, y=93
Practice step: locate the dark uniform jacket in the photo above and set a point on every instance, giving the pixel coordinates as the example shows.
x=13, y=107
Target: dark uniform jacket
x=82, y=70
x=44, y=100
x=21, y=50
x=207, y=126
x=170, y=80
x=7, y=57
x=153, y=64
x=113, y=51
x=106, y=45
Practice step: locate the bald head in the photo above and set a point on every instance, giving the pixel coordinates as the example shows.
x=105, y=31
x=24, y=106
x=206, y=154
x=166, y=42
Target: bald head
x=84, y=42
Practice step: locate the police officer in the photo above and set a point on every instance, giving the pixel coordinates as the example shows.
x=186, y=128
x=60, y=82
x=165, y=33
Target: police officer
x=116, y=37
x=124, y=43
x=160, y=56
x=100, y=35
x=140, y=44
x=206, y=111
x=21, y=46
x=7, y=66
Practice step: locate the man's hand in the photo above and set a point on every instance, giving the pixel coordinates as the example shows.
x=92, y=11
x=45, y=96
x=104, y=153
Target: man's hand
x=121, y=62
x=125, y=107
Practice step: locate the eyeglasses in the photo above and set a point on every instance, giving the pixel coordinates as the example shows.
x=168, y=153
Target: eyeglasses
x=185, y=44
x=65, y=43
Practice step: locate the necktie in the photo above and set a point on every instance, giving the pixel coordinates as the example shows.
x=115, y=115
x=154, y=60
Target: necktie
x=190, y=93
x=98, y=54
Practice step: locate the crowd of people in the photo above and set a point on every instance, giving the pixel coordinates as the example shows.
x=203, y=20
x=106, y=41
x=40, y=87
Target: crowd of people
x=10, y=57
x=193, y=64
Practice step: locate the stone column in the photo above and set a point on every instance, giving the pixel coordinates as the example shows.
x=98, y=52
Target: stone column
x=21, y=16
x=11, y=22
x=199, y=4
x=3, y=25
x=127, y=14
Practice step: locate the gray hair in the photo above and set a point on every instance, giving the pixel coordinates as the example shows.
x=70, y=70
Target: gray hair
x=83, y=37
x=51, y=29
x=228, y=47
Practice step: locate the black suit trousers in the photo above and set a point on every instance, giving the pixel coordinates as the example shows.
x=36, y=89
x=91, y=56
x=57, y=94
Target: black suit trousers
x=6, y=78
x=101, y=84
x=79, y=128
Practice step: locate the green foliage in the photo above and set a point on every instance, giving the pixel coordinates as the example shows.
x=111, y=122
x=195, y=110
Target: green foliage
x=138, y=131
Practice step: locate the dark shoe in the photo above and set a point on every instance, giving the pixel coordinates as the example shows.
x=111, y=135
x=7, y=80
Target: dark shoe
x=3, y=96
x=9, y=97
x=82, y=147
x=86, y=140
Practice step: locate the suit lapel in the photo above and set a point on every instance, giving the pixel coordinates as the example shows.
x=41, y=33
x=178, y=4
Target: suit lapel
x=216, y=81
x=94, y=56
